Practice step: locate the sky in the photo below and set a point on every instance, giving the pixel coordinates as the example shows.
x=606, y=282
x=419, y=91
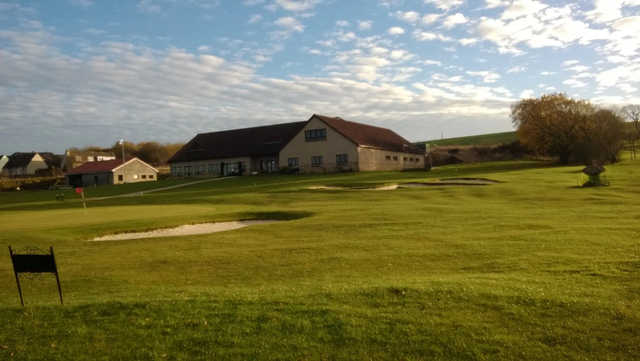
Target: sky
x=90, y=72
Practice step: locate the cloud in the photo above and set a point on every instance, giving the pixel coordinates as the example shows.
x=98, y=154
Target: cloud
x=297, y=5
x=487, y=76
x=343, y=23
x=255, y=18
x=124, y=90
x=445, y=4
x=365, y=25
x=83, y=3
x=431, y=18
x=408, y=16
x=396, y=30
x=516, y=69
x=453, y=20
x=428, y=36
x=289, y=23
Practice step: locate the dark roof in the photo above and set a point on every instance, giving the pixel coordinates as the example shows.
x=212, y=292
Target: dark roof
x=247, y=142
x=105, y=166
x=52, y=160
x=19, y=160
x=370, y=136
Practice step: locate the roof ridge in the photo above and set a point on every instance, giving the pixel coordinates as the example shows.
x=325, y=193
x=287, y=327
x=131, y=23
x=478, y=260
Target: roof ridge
x=247, y=128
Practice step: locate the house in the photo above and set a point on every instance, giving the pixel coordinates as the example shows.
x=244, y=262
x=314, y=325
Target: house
x=330, y=144
x=33, y=163
x=239, y=151
x=320, y=144
x=111, y=172
x=3, y=160
x=75, y=158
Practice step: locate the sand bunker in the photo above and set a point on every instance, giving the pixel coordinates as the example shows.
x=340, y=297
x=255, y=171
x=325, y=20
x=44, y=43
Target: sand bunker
x=434, y=183
x=186, y=230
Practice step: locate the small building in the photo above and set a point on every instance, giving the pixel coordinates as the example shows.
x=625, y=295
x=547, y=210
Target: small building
x=111, y=172
x=238, y=151
x=3, y=160
x=75, y=158
x=330, y=144
x=31, y=164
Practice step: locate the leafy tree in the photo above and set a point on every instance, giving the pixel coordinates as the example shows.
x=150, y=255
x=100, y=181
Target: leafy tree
x=632, y=113
x=556, y=125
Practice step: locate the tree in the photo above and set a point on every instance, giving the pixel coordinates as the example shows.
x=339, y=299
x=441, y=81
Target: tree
x=556, y=125
x=632, y=112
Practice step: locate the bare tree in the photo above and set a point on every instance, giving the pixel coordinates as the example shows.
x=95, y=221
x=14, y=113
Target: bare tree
x=632, y=112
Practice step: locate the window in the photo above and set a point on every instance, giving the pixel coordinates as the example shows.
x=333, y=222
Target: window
x=292, y=162
x=405, y=159
x=395, y=157
x=90, y=158
x=202, y=170
x=316, y=161
x=187, y=170
x=315, y=134
x=388, y=157
x=150, y=176
x=342, y=159
x=144, y=176
x=213, y=169
x=120, y=178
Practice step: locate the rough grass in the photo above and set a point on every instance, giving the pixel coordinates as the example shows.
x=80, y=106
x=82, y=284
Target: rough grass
x=483, y=139
x=532, y=268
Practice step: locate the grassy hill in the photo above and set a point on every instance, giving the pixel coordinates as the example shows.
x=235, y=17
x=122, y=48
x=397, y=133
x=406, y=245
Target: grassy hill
x=531, y=268
x=484, y=139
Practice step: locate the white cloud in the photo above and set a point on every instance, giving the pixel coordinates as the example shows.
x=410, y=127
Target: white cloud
x=343, y=23
x=467, y=41
x=297, y=5
x=445, y=4
x=290, y=24
x=396, y=30
x=255, y=18
x=83, y=3
x=574, y=83
x=408, y=16
x=431, y=18
x=453, y=20
x=365, y=25
x=427, y=36
x=487, y=76
x=527, y=93
x=517, y=69
x=570, y=62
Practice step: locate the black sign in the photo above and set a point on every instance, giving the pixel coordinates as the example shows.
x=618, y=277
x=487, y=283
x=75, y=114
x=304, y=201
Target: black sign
x=34, y=263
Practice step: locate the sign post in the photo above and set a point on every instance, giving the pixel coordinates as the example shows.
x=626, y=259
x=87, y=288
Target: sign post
x=80, y=191
x=34, y=263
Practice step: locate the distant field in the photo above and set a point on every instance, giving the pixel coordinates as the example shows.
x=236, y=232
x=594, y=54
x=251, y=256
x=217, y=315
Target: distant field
x=484, y=139
x=532, y=268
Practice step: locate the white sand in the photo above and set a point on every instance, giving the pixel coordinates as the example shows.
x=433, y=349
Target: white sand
x=186, y=230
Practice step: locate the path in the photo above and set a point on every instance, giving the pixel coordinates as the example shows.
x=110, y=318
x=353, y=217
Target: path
x=138, y=194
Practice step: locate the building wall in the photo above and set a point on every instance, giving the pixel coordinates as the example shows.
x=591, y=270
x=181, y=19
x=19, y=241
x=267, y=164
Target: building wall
x=211, y=168
x=134, y=172
x=97, y=179
x=376, y=159
x=3, y=160
x=334, y=144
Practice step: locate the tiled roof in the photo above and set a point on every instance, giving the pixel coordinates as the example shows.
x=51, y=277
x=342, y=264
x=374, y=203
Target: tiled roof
x=248, y=142
x=18, y=160
x=370, y=136
x=105, y=166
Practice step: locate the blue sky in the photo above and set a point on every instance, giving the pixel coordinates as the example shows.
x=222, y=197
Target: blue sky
x=89, y=72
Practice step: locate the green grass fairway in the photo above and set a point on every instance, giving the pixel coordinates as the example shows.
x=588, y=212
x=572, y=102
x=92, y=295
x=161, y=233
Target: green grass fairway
x=483, y=139
x=532, y=268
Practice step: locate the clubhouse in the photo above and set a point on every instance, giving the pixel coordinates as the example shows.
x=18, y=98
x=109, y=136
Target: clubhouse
x=320, y=144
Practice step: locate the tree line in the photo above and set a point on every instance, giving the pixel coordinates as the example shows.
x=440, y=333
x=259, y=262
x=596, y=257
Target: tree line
x=153, y=153
x=574, y=130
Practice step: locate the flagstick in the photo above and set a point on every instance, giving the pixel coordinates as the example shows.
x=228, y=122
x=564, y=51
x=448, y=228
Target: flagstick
x=84, y=202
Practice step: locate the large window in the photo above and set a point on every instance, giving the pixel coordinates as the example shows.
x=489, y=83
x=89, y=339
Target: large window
x=316, y=161
x=187, y=170
x=315, y=134
x=342, y=159
x=213, y=169
x=292, y=163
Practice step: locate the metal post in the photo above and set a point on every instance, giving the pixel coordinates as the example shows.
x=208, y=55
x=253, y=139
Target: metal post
x=57, y=277
x=17, y=278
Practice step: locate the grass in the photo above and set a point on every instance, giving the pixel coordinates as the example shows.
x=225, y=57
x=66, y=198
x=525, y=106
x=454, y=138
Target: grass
x=484, y=139
x=532, y=268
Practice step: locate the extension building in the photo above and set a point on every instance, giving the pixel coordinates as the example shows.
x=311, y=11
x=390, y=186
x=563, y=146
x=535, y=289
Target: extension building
x=111, y=172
